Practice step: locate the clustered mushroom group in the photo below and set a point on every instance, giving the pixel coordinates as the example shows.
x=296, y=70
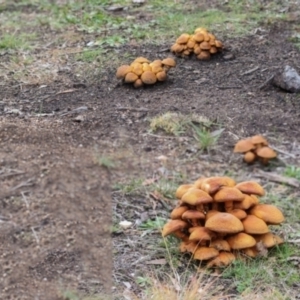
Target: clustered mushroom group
x=219, y=220
x=255, y=148
x=142, y=71
x=202, y=43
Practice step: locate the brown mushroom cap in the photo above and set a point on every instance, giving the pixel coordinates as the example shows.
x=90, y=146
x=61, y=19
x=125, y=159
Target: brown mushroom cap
x=178, y=211
x=146, y=67
x=213, y=49
x=205, y=253
x=131, y=77
x=161, y=76
x=220, y=244
x=199, y=182
x=241, y=240
x=196, y=196
x=249, y=201
x=201, y=29
x=267, y=212
x=193, y=214
x=141, y=60
x=137, y=68
x=259, y=139
x=224, y=223
x=251, y=251
x=183, y=38
x=191, y=43
x=218, y=44
x=182, y=189
x=250, y=187
x=122, y=71
x=198, y=37
x=188, y=246
x=203, y=55
x=228, y=194
x=177, y=48
x=210, y=213
x=239, y=213
x=254, y=225
x=222, y=260
x=205, y=45
x=172, y=226
x=266, y=152
x=249, y=157
x=213, y=184
x=243, y=146
x=269, y=240
x=156, y=67
x=148, y=77
x=138, y=83
x=201, y=234
x=170, y=62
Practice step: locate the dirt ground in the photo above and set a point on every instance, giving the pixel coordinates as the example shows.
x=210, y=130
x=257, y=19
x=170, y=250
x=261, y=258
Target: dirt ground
x=56, y=204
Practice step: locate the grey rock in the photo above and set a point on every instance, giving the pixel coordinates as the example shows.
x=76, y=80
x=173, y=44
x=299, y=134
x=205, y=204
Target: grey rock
x=287, y=79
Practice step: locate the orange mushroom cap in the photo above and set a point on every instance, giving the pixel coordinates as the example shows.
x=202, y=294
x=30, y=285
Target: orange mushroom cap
x=182, y=189
x=250, y=187
x=173, y=225
x=213, y=184
x=254, y=225
x=205, y=253
x=241, y=240
x=267, y=212
x=228, y=194
x=224, y=223
x=222, y=260
x=243, y=146
x=196, y=196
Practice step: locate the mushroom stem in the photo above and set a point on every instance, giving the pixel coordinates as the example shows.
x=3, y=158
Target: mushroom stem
x=228, y=206
x=194, y=222
x=200, y=207
x=215, y=206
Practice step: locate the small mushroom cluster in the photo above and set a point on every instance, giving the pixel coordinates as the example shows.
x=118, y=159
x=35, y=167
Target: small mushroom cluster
x=202, y=43
x=219, y=220
x=141, y=71
x=255, y=148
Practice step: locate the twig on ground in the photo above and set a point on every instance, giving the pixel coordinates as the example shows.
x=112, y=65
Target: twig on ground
x=160, y=136
x=135, y=109
x=294, y=241
x=293, y=258
x=10, y=172
x=278, y=178
x=266, y=82
x=28, y=182
x=284, y=152
x=250, y=71
x=74, y=111
x=35, y=236
x=228, y=87
x=25, y=199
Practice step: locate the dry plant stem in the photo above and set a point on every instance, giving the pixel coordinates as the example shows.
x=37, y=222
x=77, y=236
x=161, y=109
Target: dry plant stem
x=278, y=178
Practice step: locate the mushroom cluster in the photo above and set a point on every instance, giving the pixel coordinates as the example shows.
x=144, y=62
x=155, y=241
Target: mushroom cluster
x=202, y=43
x=219, y=220
x=255, y=148
x=141, y=71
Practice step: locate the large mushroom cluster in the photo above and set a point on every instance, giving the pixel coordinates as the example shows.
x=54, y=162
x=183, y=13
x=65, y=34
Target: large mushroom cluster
x=255, y=148
x=202, y=43
x=142, y=71
x=219, y=220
